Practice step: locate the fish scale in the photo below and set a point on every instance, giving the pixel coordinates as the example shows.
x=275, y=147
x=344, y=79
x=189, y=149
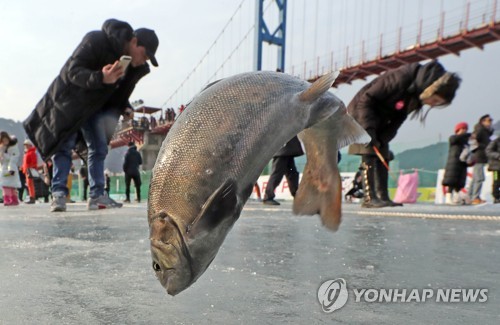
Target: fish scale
x=217, y=119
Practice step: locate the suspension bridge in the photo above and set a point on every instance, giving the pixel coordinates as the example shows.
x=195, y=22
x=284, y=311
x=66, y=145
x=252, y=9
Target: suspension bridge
x=358, y=38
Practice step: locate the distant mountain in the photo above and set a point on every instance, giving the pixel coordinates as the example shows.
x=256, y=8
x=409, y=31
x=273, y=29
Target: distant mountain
x=113, y=163
x=14, y=128
x=432, y=157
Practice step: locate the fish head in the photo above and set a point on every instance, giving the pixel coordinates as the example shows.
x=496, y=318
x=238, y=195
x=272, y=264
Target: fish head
x=172, y=261
x=182, y=254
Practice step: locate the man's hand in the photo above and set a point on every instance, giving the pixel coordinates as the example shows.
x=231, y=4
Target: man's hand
x=128, y=114
x=112, y=72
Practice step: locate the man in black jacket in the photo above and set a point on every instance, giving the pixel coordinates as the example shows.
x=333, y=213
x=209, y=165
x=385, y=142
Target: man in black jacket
x=382, y=106
x=83, y=104
x=493, y=154
x=481, y=134
x=284, y=165
x=131, y=165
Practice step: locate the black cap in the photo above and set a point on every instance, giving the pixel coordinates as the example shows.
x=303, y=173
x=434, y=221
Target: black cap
x=148, y=39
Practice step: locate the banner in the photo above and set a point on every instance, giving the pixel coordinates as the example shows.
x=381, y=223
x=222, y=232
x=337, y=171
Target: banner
x=282, y=192
x=485, y=190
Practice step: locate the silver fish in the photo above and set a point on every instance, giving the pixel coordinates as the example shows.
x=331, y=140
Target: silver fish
x=217, y=149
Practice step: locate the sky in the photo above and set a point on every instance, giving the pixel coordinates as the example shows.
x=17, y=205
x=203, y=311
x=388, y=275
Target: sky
x=39, y=36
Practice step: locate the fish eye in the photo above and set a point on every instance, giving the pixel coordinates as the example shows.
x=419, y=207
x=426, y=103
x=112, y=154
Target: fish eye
x=156, y=267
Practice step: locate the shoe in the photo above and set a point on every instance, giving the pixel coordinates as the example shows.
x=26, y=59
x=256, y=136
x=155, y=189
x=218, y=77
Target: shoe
x=126, y=201
x=137, y=201
x=373, y=203
x=68, y=200
x=30, y=201
x=496, y=201
x=102, y=202
x=271, y=202
x=58, y=204
x=477, y=201
x=391, y=203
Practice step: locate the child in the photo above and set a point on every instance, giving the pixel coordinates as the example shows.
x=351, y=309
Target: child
x=9, y=177
x=30, y=161
x=455, y=172
x=357, y=187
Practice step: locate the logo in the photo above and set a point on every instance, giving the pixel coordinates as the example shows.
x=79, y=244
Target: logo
x=332, y=295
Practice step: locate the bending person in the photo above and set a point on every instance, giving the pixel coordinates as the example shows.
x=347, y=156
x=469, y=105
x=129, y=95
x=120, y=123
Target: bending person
x=382, y=106
x=83, y=105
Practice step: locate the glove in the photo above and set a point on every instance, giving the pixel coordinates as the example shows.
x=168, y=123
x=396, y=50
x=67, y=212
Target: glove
x=390, y=156
x=374, y=142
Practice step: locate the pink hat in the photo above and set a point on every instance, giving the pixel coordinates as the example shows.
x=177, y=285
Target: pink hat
x=461, y=125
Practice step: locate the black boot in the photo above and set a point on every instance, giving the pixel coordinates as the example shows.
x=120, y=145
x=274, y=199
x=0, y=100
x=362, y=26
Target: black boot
x=381, y=184
x=370, y=199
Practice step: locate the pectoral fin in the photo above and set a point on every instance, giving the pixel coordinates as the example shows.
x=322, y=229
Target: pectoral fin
x=220, y=206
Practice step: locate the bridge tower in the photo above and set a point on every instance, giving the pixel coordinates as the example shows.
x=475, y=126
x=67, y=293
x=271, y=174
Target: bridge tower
x=263, y=34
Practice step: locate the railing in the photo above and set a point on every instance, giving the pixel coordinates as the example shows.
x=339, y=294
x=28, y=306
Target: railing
x=458, y=21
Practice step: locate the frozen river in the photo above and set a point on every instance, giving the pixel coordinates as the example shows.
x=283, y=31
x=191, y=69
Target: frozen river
x=82, y=267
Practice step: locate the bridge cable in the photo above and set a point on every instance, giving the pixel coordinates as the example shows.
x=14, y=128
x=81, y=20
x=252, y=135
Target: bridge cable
x=207, y=52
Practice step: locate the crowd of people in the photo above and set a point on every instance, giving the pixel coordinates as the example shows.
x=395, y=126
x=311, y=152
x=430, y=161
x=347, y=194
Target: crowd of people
x=148, y=123
x=81, y=111
x=381, y=107
x=471, y=149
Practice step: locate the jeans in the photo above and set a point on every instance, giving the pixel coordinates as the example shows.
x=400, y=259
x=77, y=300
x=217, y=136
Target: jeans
x=137, y=182
x=95, y=133
x=477, y=181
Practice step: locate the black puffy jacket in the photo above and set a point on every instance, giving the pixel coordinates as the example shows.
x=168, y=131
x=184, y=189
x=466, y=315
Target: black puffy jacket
x=455, y=173
x=132, y=161
x=493, y=153
x=382, y=105
x=78, y=91
x=482, y=136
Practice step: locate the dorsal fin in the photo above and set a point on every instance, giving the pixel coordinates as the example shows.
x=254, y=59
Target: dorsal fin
x=319, y=87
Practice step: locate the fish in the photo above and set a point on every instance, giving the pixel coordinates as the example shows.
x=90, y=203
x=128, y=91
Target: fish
x=215, y=152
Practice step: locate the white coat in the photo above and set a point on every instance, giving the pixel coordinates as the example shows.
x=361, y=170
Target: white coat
x=9, y=159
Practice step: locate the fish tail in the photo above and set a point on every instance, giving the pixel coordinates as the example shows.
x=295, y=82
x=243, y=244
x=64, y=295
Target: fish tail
x=320, y=192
